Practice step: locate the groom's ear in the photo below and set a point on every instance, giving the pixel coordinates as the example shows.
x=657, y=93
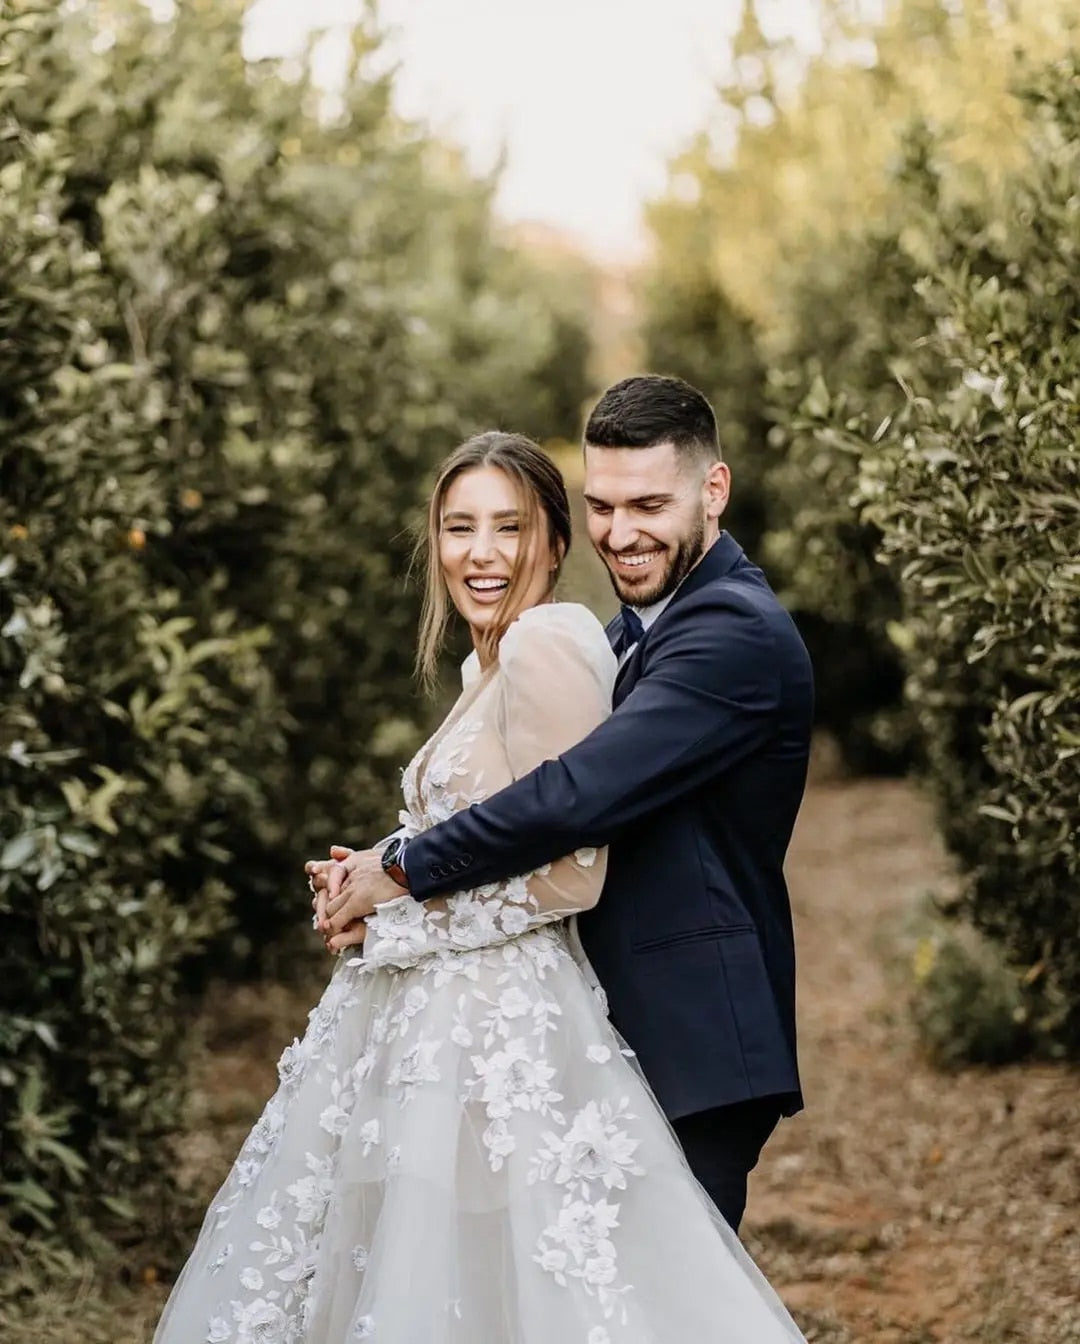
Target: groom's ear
x=717, y=489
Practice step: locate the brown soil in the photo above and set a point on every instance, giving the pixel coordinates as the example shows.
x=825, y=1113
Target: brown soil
x=905, y=1206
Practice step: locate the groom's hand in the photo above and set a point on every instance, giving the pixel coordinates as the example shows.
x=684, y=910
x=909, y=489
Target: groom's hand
x=355, y=894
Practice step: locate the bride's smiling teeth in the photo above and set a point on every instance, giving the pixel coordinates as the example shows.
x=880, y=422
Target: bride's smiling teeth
x=487, y=585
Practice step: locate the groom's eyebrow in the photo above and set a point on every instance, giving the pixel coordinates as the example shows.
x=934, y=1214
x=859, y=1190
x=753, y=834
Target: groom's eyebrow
x=637, y=502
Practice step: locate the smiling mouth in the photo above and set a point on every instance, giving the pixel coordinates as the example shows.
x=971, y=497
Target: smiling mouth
x=635, y=559
x=487, y=587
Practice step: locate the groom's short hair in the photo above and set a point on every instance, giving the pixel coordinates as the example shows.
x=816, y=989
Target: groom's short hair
x=649, y=409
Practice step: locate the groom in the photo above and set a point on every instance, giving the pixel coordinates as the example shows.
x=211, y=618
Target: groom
x=694, y=783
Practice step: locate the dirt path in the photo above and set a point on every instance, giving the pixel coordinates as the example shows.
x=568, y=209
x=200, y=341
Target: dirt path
x=906, y=1206
x=903, y=1207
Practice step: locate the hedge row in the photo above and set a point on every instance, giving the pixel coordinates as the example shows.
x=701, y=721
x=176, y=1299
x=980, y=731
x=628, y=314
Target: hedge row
x=236, y=332
x=975, y=487
x=787, y=252
x=900, y=238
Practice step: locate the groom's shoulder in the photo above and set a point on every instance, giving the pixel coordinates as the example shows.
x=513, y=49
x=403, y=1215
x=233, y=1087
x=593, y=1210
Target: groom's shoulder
x=737, y=608
x=742, y=591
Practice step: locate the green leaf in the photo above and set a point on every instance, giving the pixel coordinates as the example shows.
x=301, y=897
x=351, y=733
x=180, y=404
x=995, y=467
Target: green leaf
x=816, y=403
x=122, y=1208
x=18, y=851
x=998, y=813
x=80, y=843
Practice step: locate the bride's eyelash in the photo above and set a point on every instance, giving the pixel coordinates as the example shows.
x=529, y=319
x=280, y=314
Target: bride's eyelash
x=459, y=529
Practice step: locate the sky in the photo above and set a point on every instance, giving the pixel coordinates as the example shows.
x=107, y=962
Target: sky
x=589, y=99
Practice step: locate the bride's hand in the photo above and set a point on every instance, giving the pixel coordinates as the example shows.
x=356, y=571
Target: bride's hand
x=353, y=936
x=354, y=888
x=319, y=882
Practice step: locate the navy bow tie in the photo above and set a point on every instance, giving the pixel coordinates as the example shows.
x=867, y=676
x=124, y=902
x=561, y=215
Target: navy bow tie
x=632, y=627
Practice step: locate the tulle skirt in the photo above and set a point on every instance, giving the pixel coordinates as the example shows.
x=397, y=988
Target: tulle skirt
x=463, y=1152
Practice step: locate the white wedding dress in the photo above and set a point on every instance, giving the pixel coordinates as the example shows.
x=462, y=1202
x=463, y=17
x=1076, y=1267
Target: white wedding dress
x=461, y=1150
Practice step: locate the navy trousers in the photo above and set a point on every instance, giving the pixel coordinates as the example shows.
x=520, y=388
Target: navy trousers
x=722, y=1147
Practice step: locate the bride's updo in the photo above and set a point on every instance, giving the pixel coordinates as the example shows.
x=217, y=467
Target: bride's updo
x=543, y=502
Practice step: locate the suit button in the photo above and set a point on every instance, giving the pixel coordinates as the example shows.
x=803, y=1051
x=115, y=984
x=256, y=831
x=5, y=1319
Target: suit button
x=435, y=872
x=466, y=860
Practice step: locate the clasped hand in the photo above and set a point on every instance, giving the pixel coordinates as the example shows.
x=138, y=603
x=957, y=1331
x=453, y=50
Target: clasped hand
x=346, y=889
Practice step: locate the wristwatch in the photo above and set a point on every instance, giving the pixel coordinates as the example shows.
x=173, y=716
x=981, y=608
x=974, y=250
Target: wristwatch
x=392, y=862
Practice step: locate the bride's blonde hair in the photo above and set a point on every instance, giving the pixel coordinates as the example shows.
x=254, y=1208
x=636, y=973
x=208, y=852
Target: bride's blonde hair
x=541, y=496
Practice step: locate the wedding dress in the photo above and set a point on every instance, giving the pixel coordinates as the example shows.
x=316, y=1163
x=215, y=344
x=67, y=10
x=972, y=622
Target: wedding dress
x=461, y=1149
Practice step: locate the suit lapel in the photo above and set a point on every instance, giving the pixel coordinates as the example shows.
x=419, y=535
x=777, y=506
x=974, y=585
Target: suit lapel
x=624, y=682
x=721, y=558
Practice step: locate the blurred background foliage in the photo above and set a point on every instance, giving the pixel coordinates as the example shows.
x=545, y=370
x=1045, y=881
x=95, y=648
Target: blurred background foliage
x=868, y=259
x=797, y=224
x=238, y=327
x=239, y=323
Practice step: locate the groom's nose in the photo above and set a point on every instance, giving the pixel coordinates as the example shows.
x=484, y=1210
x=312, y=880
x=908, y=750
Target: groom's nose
x=623, y=532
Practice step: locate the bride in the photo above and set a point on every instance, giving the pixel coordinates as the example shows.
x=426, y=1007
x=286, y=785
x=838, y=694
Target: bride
x=461, y=1149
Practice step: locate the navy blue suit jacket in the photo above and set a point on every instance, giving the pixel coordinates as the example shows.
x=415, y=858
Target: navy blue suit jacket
x=694, y=783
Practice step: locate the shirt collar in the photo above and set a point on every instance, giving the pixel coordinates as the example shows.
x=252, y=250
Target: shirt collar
x=649, y=614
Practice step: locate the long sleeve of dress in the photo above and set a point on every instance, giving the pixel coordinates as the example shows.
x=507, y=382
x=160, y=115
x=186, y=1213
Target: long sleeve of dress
x=551, y=689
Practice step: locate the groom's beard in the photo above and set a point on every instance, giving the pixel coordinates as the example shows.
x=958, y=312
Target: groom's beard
x=680, y=562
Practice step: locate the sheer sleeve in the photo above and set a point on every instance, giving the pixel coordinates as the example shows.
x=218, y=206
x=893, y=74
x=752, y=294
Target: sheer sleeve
x=556, y=673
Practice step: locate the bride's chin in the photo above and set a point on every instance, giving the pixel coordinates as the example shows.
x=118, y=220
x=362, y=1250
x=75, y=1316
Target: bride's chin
x=478, y=618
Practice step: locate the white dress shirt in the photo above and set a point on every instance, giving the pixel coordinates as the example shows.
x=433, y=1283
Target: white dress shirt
x=646, y=615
